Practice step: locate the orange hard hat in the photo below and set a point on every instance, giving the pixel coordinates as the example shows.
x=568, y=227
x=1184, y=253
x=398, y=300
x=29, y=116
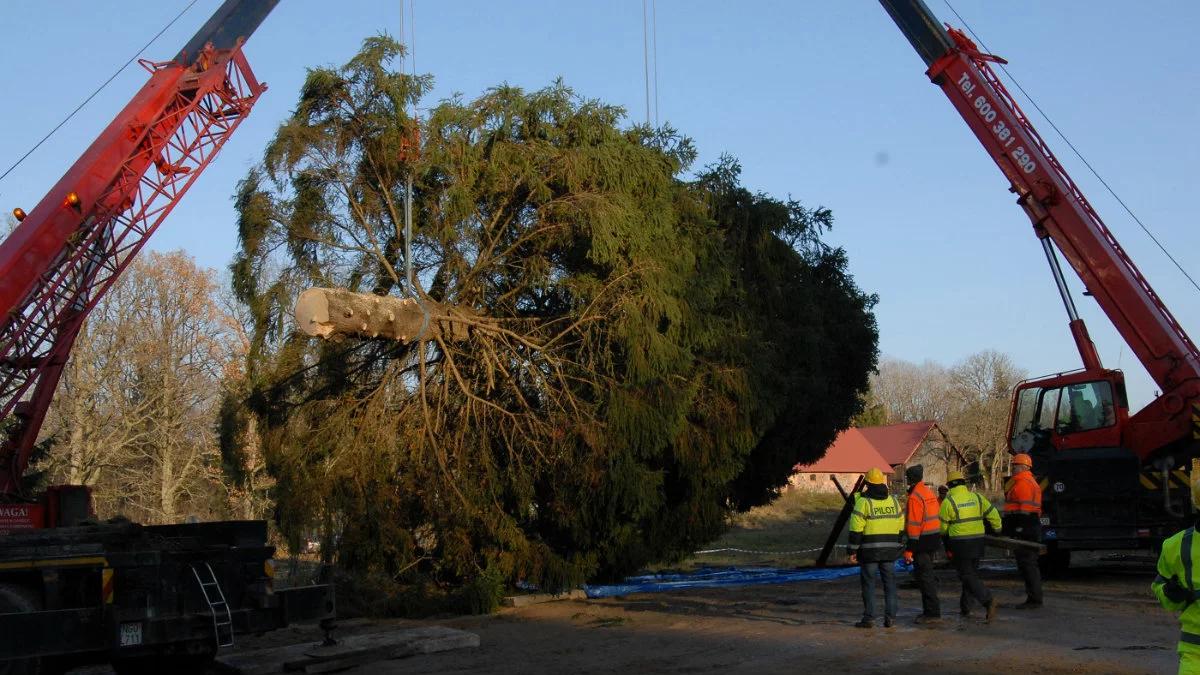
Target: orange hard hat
x=1022, y=459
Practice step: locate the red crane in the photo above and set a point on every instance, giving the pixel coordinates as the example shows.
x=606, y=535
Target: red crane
x=1109, y=473
x=160, y=598
x=70, y=248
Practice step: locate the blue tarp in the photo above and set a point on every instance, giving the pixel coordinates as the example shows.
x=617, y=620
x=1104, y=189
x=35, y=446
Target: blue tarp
x=715, y=577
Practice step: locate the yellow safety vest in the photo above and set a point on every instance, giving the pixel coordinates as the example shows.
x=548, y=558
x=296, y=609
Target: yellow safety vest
x=1178, y=560
x=963, y=514
x=877, y=525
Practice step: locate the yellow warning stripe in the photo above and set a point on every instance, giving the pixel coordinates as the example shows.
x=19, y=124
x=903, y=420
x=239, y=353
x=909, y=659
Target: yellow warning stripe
x=106, y=585
x=98, y=561
x=1152, y=480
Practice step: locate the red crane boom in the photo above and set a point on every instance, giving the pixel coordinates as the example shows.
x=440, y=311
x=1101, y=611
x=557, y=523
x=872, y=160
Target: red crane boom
x=75, y=243
x=1110, y=480
x=1060, y=213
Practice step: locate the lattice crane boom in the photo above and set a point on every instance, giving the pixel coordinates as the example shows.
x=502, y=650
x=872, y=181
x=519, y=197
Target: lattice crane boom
x=70, y=248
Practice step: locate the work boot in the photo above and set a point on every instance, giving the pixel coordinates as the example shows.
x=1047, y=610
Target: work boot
x=992, y=608
x=1029, y=604
x=889, y=621
x=865, y=623
x=927, y=619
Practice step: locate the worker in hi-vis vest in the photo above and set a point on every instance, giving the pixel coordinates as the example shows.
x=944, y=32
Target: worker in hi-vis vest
x=966, y=517
x=1177, y=583
x=876, y=539
x=1023, y=520
x=923, y=527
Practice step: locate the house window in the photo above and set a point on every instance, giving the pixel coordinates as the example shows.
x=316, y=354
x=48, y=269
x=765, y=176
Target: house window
x=812, y=476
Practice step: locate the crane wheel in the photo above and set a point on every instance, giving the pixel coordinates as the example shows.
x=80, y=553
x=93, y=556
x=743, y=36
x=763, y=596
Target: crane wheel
x=16, y=599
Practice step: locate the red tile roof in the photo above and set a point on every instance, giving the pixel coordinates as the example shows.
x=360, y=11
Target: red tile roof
x=859, y=449
x=898, y=442
x=851, y=452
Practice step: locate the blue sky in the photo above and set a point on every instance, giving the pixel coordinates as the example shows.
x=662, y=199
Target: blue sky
x=824, y=100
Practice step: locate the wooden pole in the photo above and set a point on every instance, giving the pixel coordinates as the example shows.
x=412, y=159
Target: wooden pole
x=837, y=484
x=1013, y=544
x=841, y=521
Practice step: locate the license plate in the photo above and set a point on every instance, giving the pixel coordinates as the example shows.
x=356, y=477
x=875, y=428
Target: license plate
x=131, y=634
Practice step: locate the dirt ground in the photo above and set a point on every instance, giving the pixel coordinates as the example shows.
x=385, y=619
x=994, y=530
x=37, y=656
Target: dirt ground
x=1102, y=619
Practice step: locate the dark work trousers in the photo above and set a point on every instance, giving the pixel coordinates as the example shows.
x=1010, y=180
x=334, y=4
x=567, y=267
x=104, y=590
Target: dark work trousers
x=927, y=582
x=972, y=586
x=887, y=574
x=1027, y=564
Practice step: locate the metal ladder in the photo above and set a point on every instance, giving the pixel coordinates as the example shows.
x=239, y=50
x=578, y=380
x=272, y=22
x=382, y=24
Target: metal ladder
x=217, y=606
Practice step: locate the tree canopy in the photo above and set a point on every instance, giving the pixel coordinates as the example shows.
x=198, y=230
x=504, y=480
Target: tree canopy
x=133, y=414
x=648, y=350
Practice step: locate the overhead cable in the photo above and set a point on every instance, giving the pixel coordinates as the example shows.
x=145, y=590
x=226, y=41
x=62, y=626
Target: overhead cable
x=98, y=90
x=1078, y=154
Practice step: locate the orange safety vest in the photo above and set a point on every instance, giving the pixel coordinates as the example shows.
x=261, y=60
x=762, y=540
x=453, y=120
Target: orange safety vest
x=922, y=512
x=1024, y=495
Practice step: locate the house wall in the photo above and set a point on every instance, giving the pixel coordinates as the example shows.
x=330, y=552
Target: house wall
x=820, y=481
x=932, y=456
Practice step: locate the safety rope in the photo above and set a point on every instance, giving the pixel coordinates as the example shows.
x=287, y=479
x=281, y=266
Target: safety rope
x=746, y=550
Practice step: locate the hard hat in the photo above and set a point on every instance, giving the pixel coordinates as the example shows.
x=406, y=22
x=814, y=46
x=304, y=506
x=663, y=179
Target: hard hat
x=914, y=473
x=955, y=475
x=1022, y=459
x=875, y=477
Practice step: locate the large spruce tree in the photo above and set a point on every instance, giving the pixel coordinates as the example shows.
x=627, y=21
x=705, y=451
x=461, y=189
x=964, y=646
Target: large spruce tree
x=651, y=352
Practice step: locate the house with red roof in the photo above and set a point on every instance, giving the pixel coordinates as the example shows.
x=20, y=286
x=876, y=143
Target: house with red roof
x=891, y=448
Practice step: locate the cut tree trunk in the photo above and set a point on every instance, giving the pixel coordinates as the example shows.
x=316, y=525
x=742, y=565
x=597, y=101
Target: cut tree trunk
x=334, y=313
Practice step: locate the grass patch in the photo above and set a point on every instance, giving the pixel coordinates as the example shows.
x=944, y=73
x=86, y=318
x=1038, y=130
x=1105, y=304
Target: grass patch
x=795, y=521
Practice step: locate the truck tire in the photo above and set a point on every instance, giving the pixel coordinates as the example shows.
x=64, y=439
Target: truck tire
x=14, y=599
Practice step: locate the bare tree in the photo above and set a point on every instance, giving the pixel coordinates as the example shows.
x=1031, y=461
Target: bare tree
x=981, y=387
x=969, y=400
x=135, y=415
x=911, y=392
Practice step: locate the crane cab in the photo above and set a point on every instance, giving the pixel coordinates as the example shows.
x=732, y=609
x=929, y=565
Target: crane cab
x=1084, y=409
x=1096, y=493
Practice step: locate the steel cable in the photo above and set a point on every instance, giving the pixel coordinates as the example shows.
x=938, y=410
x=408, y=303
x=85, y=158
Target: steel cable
x=1075, y=150
x=97, y=91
